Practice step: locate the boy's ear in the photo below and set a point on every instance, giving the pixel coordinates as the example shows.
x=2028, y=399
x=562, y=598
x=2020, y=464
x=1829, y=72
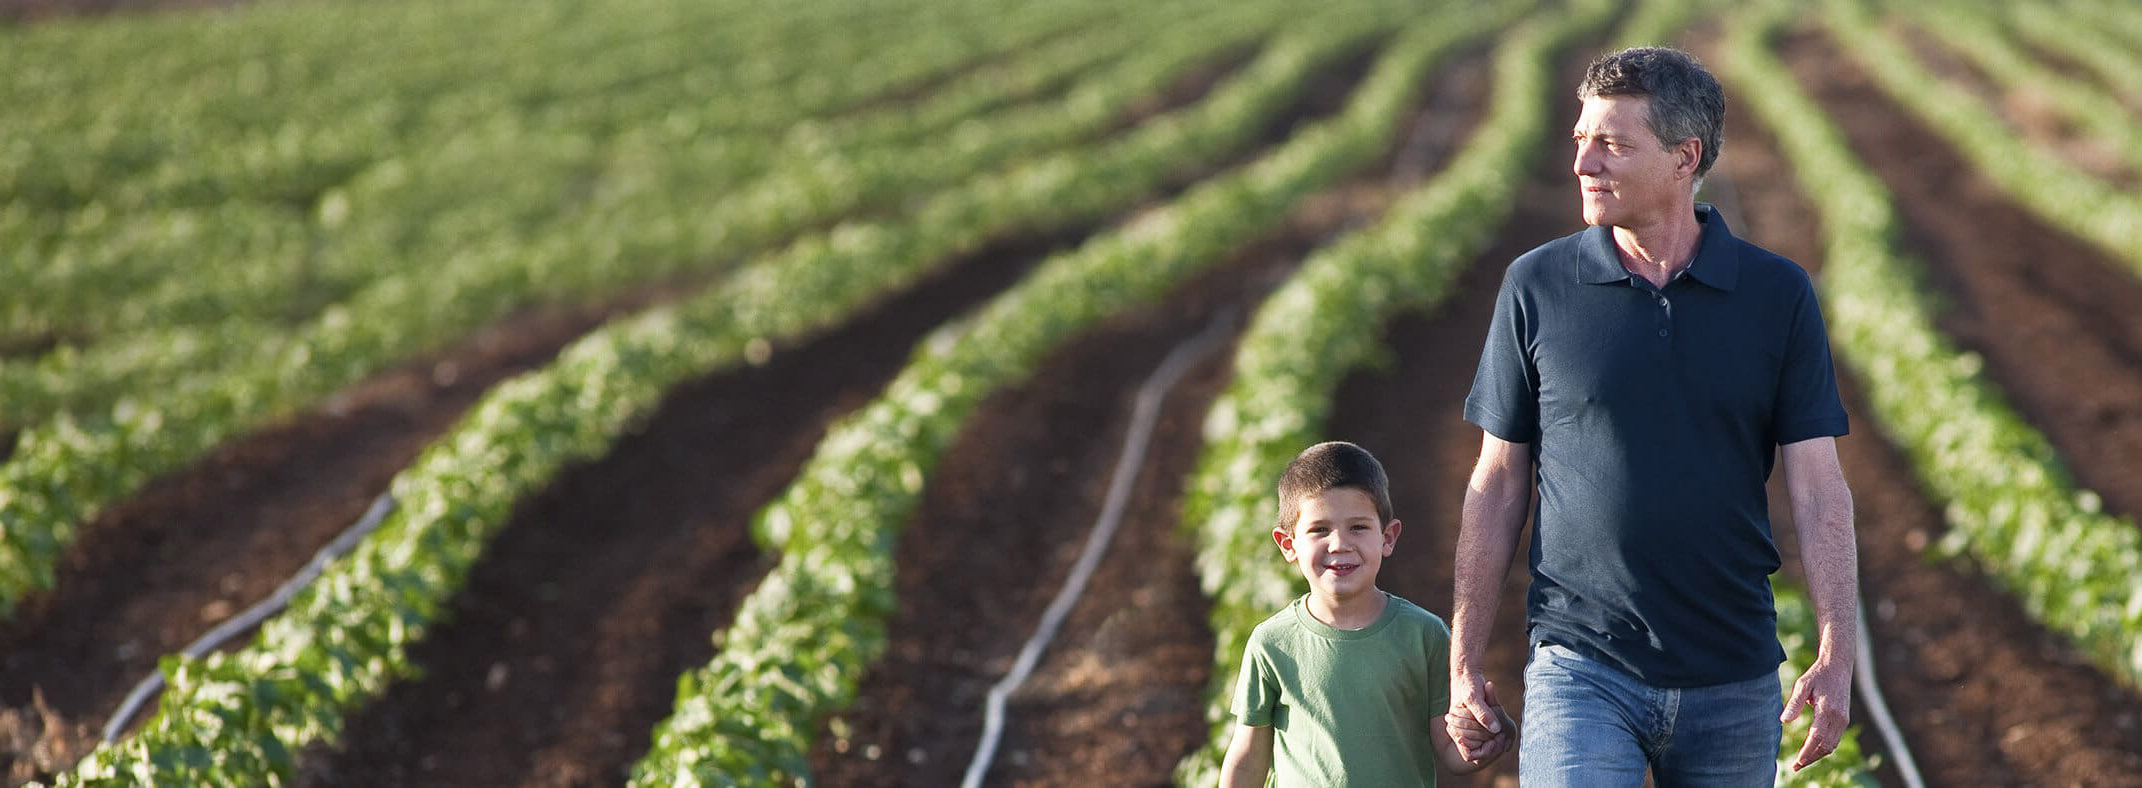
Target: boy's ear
x=1390, y=535
x=1285, y=539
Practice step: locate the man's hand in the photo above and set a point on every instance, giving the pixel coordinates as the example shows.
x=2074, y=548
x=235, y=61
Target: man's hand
x=1476, y=720
x=1477, y=743
x=1827, y=686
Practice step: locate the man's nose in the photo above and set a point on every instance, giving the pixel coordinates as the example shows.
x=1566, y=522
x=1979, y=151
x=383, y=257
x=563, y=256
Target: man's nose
x=1587, y=161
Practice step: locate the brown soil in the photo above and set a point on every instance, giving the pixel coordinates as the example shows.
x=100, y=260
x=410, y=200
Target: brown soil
x=1953, y=652
x=1118, y=698
x=2032, y=116
x=1410, y=415
x=2053, y=316
x=2073, y=70
x=195, y=548
x=562, y=653
x=151, y=574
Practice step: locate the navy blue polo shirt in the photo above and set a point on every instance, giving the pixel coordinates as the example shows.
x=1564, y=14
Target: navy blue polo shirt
x=1653, y=416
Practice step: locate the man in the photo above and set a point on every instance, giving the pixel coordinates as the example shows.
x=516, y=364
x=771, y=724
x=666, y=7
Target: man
x=1642, y=371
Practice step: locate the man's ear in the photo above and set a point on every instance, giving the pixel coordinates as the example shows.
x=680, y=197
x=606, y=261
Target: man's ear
x=1390, y=535
x=1284, y=537
x=1688, y=156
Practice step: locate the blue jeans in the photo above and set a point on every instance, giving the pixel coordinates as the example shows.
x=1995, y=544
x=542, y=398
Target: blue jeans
x=1589, y=724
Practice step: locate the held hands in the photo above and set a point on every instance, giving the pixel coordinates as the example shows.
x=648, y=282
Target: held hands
x=1482, y=730
x=1827, y=686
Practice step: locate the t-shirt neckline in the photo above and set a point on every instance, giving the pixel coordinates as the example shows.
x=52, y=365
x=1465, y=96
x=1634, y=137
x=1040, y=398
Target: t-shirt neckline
x=1310, y=622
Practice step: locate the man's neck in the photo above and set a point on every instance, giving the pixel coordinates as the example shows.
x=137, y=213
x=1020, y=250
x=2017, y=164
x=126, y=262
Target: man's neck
x=1350, y=613
x=1659, y=250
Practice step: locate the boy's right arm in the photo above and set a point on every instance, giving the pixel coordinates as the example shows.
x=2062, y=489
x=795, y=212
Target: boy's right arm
x=1249, y=757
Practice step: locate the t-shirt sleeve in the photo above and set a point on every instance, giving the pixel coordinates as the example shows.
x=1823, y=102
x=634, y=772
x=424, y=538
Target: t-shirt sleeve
x=1505, y=399
x=1438, y=646
x=1257, y=690
x=1807, y=403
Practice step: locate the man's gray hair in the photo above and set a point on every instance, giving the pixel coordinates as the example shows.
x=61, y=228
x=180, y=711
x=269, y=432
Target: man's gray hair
x=1686, y=100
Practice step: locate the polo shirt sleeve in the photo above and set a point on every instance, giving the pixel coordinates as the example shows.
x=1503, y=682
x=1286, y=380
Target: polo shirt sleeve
x=1807, y=402
x=1257, y=690
x=1505, y=399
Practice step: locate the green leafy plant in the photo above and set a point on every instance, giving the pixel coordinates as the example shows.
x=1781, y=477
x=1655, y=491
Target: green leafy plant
x=347, y=636
x=802, y=640
x=2009, y=503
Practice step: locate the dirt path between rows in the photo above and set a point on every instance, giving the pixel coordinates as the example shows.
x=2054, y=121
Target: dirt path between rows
x=2028, y=115
x=1957, y=657
x=2054, y=317
x=562, y=653
x=151, y=574
x=1119, y=697
x=154, y=572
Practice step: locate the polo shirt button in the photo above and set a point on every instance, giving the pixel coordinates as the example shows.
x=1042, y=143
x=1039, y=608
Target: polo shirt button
x=1662, y=332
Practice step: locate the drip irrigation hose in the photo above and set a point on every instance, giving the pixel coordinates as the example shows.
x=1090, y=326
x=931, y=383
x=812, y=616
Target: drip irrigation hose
x=260, y=611
x=1144, y=415
x=1878, y=707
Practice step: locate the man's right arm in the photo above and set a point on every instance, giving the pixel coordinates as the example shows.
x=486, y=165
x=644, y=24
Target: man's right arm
x=1494, y=515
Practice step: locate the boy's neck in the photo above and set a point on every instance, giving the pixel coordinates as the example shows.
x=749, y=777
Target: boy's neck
x=1357, y=611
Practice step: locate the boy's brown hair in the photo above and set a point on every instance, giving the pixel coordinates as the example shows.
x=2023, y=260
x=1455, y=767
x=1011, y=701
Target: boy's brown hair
x=1331, y=465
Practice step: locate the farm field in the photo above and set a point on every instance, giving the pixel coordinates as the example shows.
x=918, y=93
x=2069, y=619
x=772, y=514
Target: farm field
x=746, y=380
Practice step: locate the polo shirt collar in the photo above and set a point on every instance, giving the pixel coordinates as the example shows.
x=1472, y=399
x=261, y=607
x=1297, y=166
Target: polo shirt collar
x=1716, y=263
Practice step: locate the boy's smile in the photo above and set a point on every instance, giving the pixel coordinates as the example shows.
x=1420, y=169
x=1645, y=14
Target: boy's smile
x=1339, y=542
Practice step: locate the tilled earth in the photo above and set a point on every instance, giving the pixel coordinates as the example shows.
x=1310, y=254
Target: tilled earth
x=561, y=652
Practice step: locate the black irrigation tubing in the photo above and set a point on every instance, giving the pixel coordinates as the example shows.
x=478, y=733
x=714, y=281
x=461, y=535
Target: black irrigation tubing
x=260, y=611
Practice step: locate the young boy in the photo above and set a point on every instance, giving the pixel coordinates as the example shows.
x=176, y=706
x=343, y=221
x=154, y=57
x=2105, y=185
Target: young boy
x=1349, y=685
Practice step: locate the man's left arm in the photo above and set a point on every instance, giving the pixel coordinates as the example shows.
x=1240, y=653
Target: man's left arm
x=1822, y=511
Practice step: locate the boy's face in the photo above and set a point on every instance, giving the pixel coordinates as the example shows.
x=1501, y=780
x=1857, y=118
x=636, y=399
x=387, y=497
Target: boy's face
x=1338, y=542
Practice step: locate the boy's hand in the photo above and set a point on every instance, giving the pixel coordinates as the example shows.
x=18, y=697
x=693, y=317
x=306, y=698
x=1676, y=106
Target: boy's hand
x=1475, y=741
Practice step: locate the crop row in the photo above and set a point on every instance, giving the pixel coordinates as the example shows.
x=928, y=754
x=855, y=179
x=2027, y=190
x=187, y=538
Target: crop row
x=132, y=137
x=237, y=717
x=706, y=220
x=349, y=200
x=1324, y=322
x=1978, y=35
x=319, y=196
x=2113, y=16
x=803, y=639
x=68, y=468
x=2114, y=62
x=2039, y=179
x=2009, y=503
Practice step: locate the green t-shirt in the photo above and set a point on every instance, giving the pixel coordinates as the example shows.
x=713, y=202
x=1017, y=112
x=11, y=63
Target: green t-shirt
x=1348, y=707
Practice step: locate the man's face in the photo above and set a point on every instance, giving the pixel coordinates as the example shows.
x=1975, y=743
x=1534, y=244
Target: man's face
x=1627, y=178
x=1338, y=542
